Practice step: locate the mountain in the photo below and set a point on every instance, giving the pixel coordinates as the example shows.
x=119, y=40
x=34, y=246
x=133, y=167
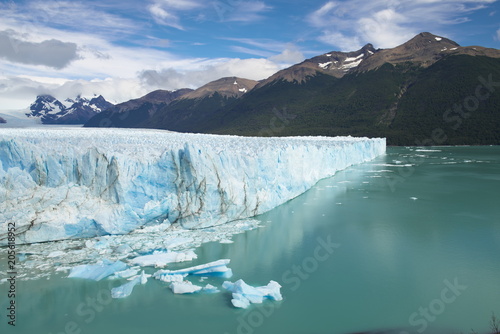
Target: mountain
x=424, y=91
x=200, y=105
x=427, y=91
x=334, y=63
x=71, y=111
x=132, y=113
x=174, y=109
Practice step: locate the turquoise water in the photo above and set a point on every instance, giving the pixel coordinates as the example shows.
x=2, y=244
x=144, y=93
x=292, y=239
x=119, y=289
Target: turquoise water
x=407, y=243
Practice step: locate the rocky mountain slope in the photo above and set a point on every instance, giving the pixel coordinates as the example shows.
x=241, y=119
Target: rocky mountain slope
x=429, y=90
x=132, y=113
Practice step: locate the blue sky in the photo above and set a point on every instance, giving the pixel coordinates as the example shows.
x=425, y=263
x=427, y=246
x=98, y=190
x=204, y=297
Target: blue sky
x=124, y=49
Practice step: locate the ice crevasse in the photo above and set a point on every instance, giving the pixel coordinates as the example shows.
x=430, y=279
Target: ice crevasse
x=75, y=183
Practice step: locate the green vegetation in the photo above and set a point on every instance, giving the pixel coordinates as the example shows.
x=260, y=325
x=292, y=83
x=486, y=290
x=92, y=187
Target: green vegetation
x=455, y=101
x=405, y=103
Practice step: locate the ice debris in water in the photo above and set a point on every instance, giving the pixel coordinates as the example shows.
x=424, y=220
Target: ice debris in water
x=97, y=271
x=161, y=259
x=184, y=287
x=126, y=289
x=217, y=268
x=124, y=274
x=244, y=294
x=188, y=287
x=37, y=264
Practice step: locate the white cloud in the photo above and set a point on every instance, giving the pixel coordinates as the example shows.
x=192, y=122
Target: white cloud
x=245, y=11
x=75, y=15
x=167, y=12
x=164, y=17
x=210, y=70
x=52, y=53
x=179, y=4
x=387, y=23
x=18, y=92
x=291, y=55
x=343, y=42
x=498, y=35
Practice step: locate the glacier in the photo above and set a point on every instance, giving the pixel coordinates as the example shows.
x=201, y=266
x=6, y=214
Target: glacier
x=71, y=183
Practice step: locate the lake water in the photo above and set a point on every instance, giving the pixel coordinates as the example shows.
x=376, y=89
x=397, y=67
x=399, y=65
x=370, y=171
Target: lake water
x=407, y=243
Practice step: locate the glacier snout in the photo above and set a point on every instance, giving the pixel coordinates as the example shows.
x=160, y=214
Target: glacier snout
x=73, y=183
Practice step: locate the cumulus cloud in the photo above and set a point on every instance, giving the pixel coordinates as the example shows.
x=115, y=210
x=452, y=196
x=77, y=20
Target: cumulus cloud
x=18, y=92
x=291, y=55
x=52, y=53
x=170, y=78
x=350, y=24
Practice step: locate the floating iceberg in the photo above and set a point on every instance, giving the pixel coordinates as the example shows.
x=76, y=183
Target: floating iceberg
x=210, y=289
x=169, y=278
x=126, y=289
x=244, y=294
x=124, y=274
x=78, y=183
x=217, y=268
x=185, y=287
x=161, y=259
x=98, y=271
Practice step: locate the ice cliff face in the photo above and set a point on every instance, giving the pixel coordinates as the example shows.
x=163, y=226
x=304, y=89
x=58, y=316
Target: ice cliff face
x=73, y=183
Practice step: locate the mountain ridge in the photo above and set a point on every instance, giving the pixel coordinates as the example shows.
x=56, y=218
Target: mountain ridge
x=71, y=111
x=363, y=93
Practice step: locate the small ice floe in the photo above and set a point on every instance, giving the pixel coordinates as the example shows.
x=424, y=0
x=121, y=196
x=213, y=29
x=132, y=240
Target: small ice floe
x=217, y=268
x=184, y=287
x=97, y=271
x=126, y=289
x=123, y=249
x=171, y=278
x=124, y=274
x=161, y=259
x=413, y=198
x=56, y=254
x=244, y=294
x=426, y=150
x=210, y=289
x=177, y=242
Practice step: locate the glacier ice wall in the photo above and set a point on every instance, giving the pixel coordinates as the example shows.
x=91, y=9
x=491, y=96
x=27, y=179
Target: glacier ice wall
x=73, y=183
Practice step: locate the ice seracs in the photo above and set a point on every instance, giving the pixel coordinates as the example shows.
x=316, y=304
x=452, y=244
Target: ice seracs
x=81, y=183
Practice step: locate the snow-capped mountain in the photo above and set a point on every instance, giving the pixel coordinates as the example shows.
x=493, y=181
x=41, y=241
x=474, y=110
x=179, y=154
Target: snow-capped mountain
x=70, y=111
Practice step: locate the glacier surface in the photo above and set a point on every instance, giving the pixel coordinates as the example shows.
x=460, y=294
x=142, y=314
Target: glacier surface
x=58, y=184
